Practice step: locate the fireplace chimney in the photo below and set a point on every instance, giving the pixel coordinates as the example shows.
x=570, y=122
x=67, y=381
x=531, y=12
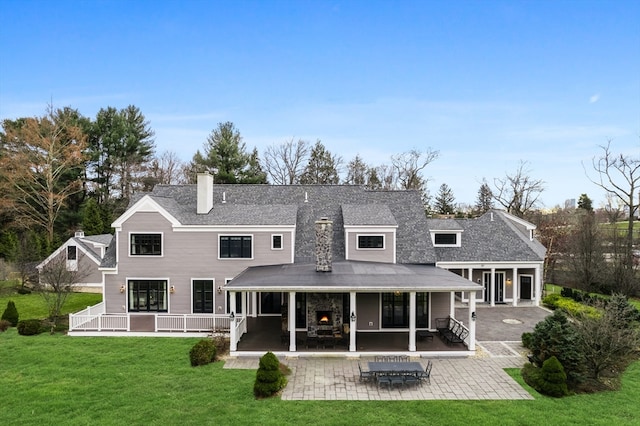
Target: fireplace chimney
x=324, y=241
x=205, y=193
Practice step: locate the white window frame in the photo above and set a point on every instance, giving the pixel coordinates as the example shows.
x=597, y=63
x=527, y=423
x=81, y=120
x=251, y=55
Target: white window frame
x=281, y=242
x=151, y=256
x=458, y=235
x=253, y=241
x=384, y=242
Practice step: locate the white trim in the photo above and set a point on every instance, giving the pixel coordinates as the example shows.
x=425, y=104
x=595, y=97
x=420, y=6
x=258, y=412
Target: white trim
x=237, y=258
x=63, y=247
x=233, y=228
x=214, y=293
x=126, y=292
x=281, y=242
x=146, y=256
x=457, y=233
x=371, y=248
x=145, y=204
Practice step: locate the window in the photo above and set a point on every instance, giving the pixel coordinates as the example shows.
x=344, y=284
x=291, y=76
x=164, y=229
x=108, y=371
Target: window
x=235, y=247
x=446, y=239
x=71, y=253
x=422, y=310
x=202, y=296
x=146, y=244
x=370, y=241
x=147, y=296
x=395, y=310
x=276, y=242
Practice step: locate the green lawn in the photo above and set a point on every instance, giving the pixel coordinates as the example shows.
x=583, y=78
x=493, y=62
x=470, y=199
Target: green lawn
x=56, y=379
x=33, y=305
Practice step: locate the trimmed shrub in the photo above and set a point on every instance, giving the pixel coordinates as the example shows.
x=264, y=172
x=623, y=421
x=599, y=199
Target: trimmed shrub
x=553, y=380
x=202, y=353
x=10, y=313
x=527, y=340
x=30, y=327
x=567, y=292
x=269, y=377
x=23, y=290
x=550, y=300
x=576, y=309
x=4, y=325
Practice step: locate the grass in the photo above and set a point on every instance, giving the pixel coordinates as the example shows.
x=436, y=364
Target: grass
x=33, y=305
x=56, y=379
x=552, y=288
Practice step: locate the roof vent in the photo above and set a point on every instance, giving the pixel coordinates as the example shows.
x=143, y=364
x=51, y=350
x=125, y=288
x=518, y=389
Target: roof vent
x=224, y=197
x=306, y=197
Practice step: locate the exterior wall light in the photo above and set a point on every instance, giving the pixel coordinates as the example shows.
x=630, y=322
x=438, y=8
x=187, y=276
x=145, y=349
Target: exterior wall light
x=172, y=289
x=219, y=289
x=353, y=317
x=473, y=316
x=232, y=316
x=122, y=288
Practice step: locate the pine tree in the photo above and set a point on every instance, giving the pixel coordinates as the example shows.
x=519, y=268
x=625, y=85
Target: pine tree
x=444, y=200
x=322, y=168
x=484, y=202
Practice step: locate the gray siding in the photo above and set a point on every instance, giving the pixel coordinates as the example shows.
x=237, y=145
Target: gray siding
x=440, y=303
x=186, y=256
x=368, y=307
x=371, y=255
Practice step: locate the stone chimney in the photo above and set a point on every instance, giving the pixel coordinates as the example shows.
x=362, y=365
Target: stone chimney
x=205, y=193
x=324, y=242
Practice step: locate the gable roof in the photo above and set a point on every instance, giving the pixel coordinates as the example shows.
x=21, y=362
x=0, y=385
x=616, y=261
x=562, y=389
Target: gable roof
x=301, y=206
x=495, y=236
x=84, y=244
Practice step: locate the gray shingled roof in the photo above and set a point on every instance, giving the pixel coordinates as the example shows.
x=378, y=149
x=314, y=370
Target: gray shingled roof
x=302, y=205
x=493, y=237
x=350, y=275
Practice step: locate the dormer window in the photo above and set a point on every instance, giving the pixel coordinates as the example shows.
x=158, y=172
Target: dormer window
x=446, y=238
x=370, y=241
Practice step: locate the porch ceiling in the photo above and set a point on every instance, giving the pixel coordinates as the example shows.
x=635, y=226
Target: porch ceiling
x=350, y=276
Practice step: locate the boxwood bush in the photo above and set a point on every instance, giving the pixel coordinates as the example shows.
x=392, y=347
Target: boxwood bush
x=553, y=380
x=202, y=353
x=11, y=313
x=30, y=327
x=269, y=378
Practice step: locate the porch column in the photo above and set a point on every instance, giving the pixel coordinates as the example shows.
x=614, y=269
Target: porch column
x=470, y=277
x=352, y=323
x=538, y=284
x=452, y=304
x=292, y=321
x=492, y=287
x=254, y=304
x=412, y=321
x=233, y=344
x=472, y=321
x=516, y=286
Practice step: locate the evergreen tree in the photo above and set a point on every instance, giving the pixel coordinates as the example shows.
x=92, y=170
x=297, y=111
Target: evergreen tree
x=322, y=168
x=356, y=171
x=584, y=202
x=444, y=200
x=484, y=203
x=92, y=223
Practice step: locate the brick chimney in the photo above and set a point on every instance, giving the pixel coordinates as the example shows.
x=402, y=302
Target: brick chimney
x=324, y=242
x=205, y=193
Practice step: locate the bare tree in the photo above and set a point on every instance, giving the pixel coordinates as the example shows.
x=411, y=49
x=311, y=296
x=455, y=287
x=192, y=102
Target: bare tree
x=619, y=174
x=357, y=171
x=58, y=278
x=165, y=169
x=518, y=192
x=409, y=166
x=285, y=163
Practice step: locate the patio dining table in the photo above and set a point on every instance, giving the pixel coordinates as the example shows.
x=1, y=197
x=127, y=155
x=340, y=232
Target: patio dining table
x=377, y=367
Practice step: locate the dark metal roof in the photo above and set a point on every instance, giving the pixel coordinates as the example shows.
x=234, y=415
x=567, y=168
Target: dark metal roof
x=350, y=276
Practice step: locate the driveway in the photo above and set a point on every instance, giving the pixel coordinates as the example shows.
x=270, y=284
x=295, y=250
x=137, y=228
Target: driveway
x=503, y=323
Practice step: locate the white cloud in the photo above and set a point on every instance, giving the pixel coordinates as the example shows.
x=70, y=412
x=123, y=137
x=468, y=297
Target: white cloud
x=593, y=99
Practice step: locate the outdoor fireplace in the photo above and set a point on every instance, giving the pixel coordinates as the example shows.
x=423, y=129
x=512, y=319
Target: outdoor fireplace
x=324, y=317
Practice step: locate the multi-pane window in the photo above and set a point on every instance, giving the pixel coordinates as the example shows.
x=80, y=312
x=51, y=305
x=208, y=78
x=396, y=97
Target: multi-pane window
x=203, y=296
x=146, y=244
x=370, y=241
x=276, y=242
x=72, y=253
x=147, y=296
x=235, y=246
x=395, y=310
x=445, y=239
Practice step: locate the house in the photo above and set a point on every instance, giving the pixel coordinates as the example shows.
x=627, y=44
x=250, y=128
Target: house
x=294, y=262
x=82, y=254
x=497, y=250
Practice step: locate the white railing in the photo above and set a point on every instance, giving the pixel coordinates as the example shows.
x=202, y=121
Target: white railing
x=241, y=327
x=101, y=322
x=192, y=322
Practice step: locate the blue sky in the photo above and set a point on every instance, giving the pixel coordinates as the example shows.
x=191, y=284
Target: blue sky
x=487, y=83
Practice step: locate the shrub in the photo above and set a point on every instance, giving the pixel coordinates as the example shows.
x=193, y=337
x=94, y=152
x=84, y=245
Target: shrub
x=550, y=300
x=269, y=377
x=202, y=353
x=553, y=380
x=566, y=292
x=527, y=340
x=30, y=327
x=531, y=375
x=4, y=325
x=23, y=290
x=222, y=344
x=576, y=309
x=11, y=313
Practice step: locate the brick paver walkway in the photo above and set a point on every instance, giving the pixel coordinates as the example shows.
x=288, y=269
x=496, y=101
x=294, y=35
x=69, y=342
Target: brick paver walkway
x=479, y=377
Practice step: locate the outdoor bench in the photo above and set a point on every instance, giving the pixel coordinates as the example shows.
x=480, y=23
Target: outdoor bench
x=451, y=330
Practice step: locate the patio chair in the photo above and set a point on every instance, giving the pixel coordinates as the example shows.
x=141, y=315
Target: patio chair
x=402, y=358
x=311, y=342
x=411, y=379
x=425, y=376
x=383, y=379
x=365, y=376
x=397, y=379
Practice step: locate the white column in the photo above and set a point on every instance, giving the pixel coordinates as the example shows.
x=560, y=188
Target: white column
x=515, y=292
x=470, y=273
x=254, y=304
x=538, y=284
x=292, y=321
x=233, y=344
x=412, y=321
x=472, y=322
x=452, y=304
x=492, y=287
x=352, y=324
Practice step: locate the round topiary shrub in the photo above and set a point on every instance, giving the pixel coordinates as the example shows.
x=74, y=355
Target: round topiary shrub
x=527, y=339
x=202, y=353
x=30, y=327
x=553, y=380
x=10, y=313
x=4, y=325
x=269, y=377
